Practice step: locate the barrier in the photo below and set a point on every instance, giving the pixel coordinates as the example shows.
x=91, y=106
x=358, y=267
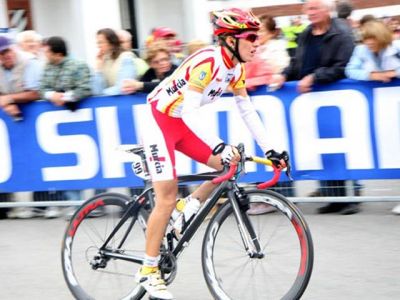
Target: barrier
x=346, y=130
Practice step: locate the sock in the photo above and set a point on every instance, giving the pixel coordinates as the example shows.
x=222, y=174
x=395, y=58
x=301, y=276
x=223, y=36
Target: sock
x=150, y=264
x=151, y=261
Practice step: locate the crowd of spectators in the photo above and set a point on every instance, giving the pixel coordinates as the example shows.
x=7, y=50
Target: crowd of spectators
x=33, y=68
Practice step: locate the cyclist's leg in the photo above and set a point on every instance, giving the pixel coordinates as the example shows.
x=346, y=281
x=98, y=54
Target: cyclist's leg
x=196, y=149
x=159, y=148
x=207, y=187
x=165, y=192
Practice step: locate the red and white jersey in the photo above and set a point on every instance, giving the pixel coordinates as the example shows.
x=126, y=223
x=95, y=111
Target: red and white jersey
x=210, y=69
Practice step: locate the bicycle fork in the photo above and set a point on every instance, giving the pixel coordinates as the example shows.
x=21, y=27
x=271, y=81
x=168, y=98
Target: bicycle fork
x=240, y=203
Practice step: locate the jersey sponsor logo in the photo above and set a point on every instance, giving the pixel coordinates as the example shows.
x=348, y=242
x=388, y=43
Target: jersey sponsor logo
x=202, y=75
x=156, y=158
x=176, y=86
x=215, y=93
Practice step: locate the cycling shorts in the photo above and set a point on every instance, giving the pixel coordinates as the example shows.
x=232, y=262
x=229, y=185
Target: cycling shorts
x=165, y=134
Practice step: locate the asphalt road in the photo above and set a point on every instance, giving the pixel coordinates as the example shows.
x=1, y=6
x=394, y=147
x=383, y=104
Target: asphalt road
x=356, y=257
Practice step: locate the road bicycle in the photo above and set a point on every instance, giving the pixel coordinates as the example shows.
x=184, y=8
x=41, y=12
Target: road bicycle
x=271, y=254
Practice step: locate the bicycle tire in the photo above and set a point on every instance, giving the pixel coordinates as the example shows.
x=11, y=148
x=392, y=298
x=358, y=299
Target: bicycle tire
x=84, y=235
x=284, y=273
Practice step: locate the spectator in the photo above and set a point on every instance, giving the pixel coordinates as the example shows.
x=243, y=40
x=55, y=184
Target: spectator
x=19, y=83
x=378, y=58
x=357, y=27
x=318, y=61
x=195, y=45
x=344, y=9
x=167, y=35
x=177, y=52
x=365, y=19
x=30, y=42
x=291, y=34
x=394, y=26
x=113, y=64
x=19, y=79
x=65, y=82
x=126, y=42
x=271, y=57
x=161, y=66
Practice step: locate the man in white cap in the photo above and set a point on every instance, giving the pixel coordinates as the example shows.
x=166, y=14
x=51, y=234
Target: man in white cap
x=19, y=79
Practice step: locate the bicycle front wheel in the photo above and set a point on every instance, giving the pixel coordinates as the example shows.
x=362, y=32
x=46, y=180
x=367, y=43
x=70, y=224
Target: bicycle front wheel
x=283, y=264
x=88, y=271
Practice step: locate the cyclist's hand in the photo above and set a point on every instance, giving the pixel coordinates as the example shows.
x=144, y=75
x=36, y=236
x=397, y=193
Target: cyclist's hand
x=280, y=160
x=230, y=155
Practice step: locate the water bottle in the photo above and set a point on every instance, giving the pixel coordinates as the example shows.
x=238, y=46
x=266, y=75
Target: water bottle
x=190, y=208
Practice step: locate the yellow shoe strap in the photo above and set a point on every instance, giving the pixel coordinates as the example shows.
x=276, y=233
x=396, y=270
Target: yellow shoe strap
x=146, y=270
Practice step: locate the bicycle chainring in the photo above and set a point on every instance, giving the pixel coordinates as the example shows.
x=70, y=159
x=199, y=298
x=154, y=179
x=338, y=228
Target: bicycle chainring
x=168, y=266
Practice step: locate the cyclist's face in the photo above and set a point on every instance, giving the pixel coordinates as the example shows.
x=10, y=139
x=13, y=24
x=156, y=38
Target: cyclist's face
x=248, y=44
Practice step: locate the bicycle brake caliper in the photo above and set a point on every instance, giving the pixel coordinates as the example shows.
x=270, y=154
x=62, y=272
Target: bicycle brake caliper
x=244, y=201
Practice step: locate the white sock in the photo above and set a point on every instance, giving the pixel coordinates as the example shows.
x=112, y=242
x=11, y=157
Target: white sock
x=151, y=261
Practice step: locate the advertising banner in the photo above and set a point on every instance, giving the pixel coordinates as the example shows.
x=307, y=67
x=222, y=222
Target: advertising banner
x=346, y=130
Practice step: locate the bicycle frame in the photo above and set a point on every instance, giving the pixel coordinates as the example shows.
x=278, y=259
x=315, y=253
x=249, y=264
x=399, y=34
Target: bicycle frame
x=251, y=243
x=134, y=207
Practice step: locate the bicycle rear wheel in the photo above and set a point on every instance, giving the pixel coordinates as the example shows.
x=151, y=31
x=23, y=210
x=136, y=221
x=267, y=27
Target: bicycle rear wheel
x=284, y=266
x=88, y=272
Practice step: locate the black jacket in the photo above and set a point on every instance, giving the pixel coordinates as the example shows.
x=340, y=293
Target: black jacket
x=336, y=50
x=150, y=80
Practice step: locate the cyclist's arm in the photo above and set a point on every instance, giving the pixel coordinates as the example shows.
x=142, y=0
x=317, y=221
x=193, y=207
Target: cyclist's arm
x=190, y=115
x=251, y=118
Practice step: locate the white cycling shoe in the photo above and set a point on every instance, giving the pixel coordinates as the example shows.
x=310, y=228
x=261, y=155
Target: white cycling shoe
x=154, y=285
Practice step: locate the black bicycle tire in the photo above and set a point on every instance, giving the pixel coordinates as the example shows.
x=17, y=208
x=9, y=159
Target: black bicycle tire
x=211, y=234
x=88, y=206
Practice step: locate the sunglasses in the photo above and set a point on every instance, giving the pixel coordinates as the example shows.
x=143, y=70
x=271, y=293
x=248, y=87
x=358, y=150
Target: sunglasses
x=251, y=37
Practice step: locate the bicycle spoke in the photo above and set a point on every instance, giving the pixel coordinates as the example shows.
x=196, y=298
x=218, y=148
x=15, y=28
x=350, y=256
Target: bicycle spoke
x=271, y=236
x=95, y=232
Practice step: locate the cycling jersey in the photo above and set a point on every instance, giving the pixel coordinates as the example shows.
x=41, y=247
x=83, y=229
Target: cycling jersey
x=210, y=70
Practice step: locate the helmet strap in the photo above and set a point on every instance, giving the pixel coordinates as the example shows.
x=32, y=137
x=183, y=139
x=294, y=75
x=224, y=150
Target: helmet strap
x=235, y=52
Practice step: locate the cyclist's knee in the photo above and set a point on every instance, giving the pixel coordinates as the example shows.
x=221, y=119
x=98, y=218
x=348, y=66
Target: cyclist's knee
x=166, y=192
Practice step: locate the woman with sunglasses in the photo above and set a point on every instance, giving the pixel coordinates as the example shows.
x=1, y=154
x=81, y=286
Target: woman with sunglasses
x=175, y=123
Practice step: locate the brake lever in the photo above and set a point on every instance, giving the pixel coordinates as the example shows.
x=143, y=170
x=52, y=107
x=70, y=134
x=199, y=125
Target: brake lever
x=242, y=163
x=288, y=170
